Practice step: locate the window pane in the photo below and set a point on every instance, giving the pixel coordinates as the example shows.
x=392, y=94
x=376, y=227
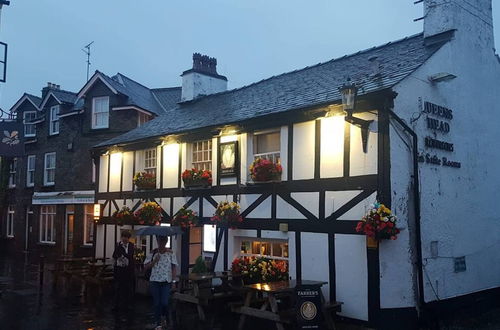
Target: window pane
x=195, y=235
x=194, y=252
x=265, y=143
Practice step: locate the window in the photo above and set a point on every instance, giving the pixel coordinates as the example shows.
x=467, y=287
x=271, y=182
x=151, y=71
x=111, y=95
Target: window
x=54, y=120
x=209, y=238
x=10, y=221
x=94, y=172
x=13, y=173
x=29, y=129
x=143, y=118
x=194, y=244
x=274, y=249
x=100, y=112
x=30, y=171
x=267, y=146
x=150, y=161
x=47, y=229
x=202, y=155
x=88, y=226
x=49, y=173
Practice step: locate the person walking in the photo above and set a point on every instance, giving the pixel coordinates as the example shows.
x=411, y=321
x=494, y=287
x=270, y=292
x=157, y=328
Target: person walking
x=163, y=265
x=124, y=272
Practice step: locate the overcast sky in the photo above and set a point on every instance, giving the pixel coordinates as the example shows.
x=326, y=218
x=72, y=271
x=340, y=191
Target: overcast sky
x=153, y=41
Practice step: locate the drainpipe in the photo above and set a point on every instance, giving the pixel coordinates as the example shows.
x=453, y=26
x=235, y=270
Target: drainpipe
x=416, y=194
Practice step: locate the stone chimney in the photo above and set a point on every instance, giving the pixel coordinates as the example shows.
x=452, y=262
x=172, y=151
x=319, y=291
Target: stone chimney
x=473, y=19
x=50, y=86
x=202, y=79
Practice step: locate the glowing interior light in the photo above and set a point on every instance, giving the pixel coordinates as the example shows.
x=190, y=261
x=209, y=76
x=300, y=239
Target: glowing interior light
x=332, y=146
x=228, y=138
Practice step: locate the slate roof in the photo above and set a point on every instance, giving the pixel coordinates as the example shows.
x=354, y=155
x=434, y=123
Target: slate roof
x=372, y=70
x=35, y=99
x=168, y=97
x=64, y=96
x=142, y=96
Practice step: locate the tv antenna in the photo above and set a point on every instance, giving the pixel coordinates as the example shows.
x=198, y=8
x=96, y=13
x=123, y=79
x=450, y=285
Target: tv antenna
x=86, y=50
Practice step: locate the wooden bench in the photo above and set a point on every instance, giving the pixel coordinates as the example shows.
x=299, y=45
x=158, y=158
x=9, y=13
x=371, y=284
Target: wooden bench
x=329, y=308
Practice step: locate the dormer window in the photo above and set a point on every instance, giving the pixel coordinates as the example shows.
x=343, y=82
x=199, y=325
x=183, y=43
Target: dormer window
x=100, y=112
x=29, y=129
x=143, y=118
x=54, y=120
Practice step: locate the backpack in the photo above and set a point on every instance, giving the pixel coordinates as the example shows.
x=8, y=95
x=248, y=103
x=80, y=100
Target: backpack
x=147, y=273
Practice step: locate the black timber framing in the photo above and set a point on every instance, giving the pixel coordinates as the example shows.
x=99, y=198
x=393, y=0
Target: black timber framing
x=290, y=153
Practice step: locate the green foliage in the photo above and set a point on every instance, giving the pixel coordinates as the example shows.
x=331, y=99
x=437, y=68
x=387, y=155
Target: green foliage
x=200, y=266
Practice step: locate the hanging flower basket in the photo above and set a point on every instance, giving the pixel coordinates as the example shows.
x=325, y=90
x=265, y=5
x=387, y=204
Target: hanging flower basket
x=145, y=181
x=378, y=224
x=124, y=216
x=194, y=178
x=263, y=170
x=149, y=214
x=185, y=218
x=259, y=269
x=227, y=214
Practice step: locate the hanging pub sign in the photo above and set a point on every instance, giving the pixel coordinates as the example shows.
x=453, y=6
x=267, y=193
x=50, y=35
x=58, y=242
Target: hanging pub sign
x=309, y=309
x=228, y=159
x=10, y=141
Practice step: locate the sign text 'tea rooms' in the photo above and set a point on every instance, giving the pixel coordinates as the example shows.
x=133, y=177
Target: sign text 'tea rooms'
x=438, y=150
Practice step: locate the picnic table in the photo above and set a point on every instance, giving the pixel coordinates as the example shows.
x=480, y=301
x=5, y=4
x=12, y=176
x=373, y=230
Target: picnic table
x=268, y=309
x=199, y=289
x=79, y=268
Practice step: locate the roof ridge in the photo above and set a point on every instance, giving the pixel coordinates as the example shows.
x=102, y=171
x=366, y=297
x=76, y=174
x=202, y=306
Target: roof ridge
x=306, y=68
x=132, y=80
x=29, y=94
x=165, y=88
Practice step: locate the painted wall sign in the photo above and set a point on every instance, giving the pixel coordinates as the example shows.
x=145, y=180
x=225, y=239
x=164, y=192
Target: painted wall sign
x=438, y=144
x=10, y=142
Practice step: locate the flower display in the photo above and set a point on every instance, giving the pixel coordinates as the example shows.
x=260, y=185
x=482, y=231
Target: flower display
x=185, y=218
x=194, y=177
x=260, y=269
x=124, y=216
x=149, y=214
x=379, y=223
x=145, y=180
x=262, y=170
x=227, y=214
x=139, y=255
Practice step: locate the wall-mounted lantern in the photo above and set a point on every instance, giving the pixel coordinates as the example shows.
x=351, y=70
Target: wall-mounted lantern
x=97, y=212
x=349, y=92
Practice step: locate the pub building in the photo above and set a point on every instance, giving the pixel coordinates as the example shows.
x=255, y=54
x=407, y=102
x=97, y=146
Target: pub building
x=347, y=133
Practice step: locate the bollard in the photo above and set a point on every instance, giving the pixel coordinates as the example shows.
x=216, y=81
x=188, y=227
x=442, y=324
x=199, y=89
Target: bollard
x=41, y=269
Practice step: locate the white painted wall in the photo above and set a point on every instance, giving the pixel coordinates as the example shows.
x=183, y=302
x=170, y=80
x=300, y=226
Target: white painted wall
x=315, y=264
x=362, y=163
x=115, y=171
x=170, y=165
x=128, y=168
x=195, y=84
x=458, y=205
x=303, y=150
x=103, y=173
x=332, y=147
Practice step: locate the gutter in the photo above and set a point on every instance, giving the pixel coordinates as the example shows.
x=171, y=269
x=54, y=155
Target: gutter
x=416, y=194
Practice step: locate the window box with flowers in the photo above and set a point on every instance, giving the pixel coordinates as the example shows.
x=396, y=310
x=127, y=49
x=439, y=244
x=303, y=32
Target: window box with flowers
x=259, y=269
x=378, y=224
x=197, y=179
x=227, y=215
x=149, y=214
x=185, y=218
x=145, y=181
x=264, y=171
x=124, y=216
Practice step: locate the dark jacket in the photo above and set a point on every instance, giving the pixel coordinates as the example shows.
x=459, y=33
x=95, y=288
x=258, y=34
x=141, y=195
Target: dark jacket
x=120, y=251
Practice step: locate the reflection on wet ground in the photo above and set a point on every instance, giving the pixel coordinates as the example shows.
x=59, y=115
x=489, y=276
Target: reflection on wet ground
x=23, y=305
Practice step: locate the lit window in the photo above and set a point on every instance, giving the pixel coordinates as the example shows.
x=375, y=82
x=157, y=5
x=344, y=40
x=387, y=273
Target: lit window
x=274, y=249
x=143, y=118
x=88, y=226
x=194, y=244
x=202, y=155
x=47, y=229
x=30, y=171
x=49, y=173
x=100, y=112
x=150, y=161
x=267, y=146
x=10, y=221
x=29, y=129
x=54, y=120
x=13, y=173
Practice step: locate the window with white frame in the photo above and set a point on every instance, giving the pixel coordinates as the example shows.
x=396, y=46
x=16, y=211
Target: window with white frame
x=100, y=112
x=267, y=145
x=13, y=173
x=143, y=118
x=10, y=221
x=29, y=129
x=150, y=161
x=54, y=120
x=202, y=155
x=49, y=169
x=270, y=248
x=47, y=229
x=30, y=171
x=88, y=226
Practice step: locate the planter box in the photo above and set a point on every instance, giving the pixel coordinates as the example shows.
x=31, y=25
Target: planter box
x=197, y=185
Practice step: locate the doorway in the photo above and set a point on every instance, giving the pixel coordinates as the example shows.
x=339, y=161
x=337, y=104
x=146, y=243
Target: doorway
x=69, y=230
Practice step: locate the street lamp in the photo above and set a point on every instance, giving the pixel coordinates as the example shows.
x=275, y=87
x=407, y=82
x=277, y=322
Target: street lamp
x=349, y=92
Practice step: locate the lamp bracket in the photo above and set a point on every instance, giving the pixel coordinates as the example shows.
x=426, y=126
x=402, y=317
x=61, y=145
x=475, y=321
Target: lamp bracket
x=363, y=125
